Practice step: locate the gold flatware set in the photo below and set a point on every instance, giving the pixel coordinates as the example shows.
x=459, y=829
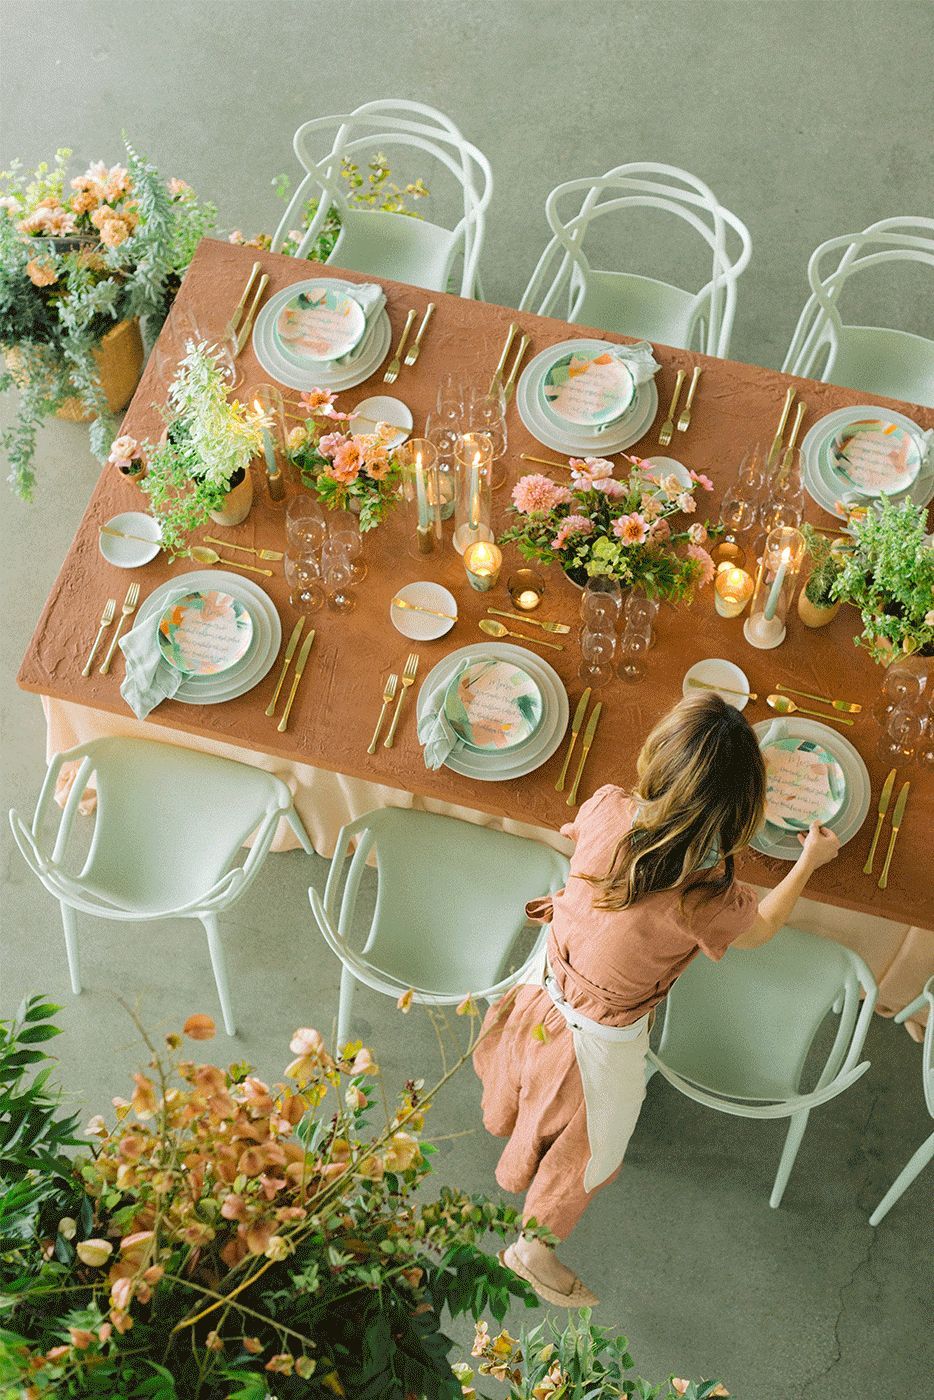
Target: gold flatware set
x=286, y=661
x=776, y=446
x=395, y=364
x=668, y=428
x=129, y=607
x=788, y=457
x=243, y=333
x=409, y=672
x=577, y=724
x=307, y=644
x=847, y=706
x=508, y=385
x=885, y=797
x=897, y=816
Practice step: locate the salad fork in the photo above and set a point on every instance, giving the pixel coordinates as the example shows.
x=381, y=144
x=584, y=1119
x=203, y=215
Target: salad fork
x=410, y=671
x=684, y=420
x=395, y=364
x=389, y=694
x=107, y=617
x=129, y=607
x=416, y=345
x=668, y=427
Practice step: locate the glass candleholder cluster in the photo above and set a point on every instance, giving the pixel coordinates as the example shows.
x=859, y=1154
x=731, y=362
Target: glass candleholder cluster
x=269, y=409
x=421, y=491
x=776, y=579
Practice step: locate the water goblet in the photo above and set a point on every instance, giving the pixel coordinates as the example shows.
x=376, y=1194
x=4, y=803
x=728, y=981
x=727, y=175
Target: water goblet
x=306, y=526
x=487, y=414
x=640, y=611
x=597, y=649
x=337, y=572
x=345, y=528
x=633, y=646
x=303, y=575
x=601, y=602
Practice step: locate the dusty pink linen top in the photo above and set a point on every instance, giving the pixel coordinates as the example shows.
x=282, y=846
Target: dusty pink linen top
x=615, y=965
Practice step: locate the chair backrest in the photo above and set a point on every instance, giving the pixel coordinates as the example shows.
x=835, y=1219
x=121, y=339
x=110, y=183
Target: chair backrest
x=454, y=891
x=643, y=185
x=743, y=1027
x=170, y=821
x=927, y=1050
x=821, y=335
x=379, y=125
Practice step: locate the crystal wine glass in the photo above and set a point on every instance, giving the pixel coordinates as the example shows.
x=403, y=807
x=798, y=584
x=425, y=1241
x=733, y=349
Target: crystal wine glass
x=306, y=526
x=597, y=649
x=601, y=602
x=633, y=646
x=303, y=575
x=337, y=572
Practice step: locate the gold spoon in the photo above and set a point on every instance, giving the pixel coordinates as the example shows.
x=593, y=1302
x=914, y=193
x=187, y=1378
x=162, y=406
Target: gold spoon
x=210, y=556
x=497, y=629
x=846, y=706
x=784, y=706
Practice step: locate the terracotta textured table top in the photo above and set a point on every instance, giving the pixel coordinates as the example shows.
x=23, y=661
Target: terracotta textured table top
x=332, y=721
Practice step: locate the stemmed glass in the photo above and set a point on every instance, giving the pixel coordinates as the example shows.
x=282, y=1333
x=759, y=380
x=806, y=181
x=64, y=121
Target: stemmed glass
x=597, y=649
x=635, y=642
x=601, y=602
x=337, y=572
x=486, y=413
x=345, y=529
x=640, y=612
x=303, y=575
x=306, y=526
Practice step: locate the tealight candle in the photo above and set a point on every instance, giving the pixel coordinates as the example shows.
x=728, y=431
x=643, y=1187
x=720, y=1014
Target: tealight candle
x=483, y=561
x=526, y=589
x=732, y=590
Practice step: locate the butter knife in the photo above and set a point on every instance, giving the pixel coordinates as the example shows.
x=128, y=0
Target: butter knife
x=589, y=732
x=896, y=823
x=510, y=385
x=289, y=653
x=497, y=379
x=780, y=430
x=299, y=668
x=244, y=333
x=576, y=723
x=885, y=798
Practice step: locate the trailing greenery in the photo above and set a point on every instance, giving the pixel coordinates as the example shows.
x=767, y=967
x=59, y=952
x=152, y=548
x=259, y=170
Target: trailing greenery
x=826, y=563
x=76, y=257
x=208, y=446
x=889, y=577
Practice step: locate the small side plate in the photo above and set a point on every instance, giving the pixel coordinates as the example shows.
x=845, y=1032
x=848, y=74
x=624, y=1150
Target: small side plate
x=382, y=408
x=715, y=671
x=419, y=626
x=130, y=554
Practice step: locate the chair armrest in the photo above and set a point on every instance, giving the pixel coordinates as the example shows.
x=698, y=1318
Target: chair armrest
x=800, y=1103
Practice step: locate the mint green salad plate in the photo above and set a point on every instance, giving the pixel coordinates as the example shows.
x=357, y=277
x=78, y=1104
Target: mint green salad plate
x=493, y=705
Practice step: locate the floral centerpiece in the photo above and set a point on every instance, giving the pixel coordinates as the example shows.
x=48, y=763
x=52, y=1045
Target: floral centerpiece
x=228, y=1239
x=204, y=453
x=78, y=258
x=889, y=577
x=348, y=471
x=616, y=527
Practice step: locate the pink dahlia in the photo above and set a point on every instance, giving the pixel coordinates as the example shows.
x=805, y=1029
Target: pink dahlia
x=346, y=462
x=659, y=532
x=571, y=525
x=536, y=494
x=631, y=529
x=331, y=443
x=707, y=569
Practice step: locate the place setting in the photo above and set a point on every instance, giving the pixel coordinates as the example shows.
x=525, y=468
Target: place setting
x=324, y=332
x=589, y=397
x=853, y=457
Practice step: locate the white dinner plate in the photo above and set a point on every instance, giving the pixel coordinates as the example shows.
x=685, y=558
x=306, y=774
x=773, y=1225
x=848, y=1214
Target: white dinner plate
x=131, y=554
x=619, y=435
x=367, y=359
x=213, y=690
x=784, y=845
x=422, y=627
x=825, y=487
x=501, y=768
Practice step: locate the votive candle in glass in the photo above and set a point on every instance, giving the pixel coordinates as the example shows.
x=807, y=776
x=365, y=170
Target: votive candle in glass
x=483, y=561
x=732, y=590
x=775, y=585
x=526, y=589
x=418, y=459
x=474, y=505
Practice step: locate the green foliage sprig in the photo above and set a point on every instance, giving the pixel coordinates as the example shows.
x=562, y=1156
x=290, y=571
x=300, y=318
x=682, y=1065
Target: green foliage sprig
x=826, y=563
x=889, y=577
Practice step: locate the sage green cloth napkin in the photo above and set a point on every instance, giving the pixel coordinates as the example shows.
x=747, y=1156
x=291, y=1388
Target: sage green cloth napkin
x=149, y=677
x=371, y=299
x=435, y=733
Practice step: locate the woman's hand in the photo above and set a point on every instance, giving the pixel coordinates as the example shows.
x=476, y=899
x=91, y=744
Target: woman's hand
x=819, y=847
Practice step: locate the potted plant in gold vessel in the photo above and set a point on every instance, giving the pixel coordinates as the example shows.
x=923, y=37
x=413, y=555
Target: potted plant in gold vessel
x=889, y=576
x=816, y=602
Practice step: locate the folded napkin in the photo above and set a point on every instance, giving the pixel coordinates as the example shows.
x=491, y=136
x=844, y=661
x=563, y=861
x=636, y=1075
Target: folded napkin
x=149, y=677
x=640, y=361
x=434, y=730
x=371, y=298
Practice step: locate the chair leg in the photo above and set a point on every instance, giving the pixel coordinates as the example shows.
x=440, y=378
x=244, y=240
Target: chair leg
x=295, y=822
x=796, y=1127
x=904, y=1179
x=220, y=970
x=345, y=1006
x=71, y=945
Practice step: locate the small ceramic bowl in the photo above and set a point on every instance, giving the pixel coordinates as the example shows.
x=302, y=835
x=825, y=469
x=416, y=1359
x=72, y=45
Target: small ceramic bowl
x=130, y=554
x=716, y=672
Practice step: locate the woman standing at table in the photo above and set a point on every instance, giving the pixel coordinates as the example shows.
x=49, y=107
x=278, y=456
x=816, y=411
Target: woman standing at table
x=563, y=1062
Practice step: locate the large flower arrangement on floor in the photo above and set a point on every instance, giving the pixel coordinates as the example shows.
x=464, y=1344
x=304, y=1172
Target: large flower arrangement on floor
x=77, y=257
x=348, y=471
x=230, y=1240
x=601, y=525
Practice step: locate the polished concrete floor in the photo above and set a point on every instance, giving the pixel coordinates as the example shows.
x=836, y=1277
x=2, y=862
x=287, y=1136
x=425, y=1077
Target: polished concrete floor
x=807, y=119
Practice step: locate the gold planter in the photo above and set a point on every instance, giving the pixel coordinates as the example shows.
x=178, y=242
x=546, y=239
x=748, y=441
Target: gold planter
x=119, y=360
x=237, y=503
x=813, y=615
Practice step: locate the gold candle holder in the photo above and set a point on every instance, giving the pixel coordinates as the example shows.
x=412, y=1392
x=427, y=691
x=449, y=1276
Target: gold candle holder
x=732, y=589
x=483, y=561
x=526, y=588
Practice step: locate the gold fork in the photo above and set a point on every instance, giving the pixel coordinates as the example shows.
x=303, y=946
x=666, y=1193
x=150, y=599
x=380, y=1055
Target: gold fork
x=409, y=673
x=389, y=694
x=245, y=548
x=129, y=607
x=685, y=419
x=668, y=427
x=395, y=364
x=510, y=384
x=107, y=617
x=416, y=345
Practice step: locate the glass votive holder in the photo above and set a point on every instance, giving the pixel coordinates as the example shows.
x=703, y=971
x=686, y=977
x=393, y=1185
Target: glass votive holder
x=732, y=590
x=775, y=585
x=421, y=490
x=526, y=589
x=483, y=561
x=474, y=503
x=270, y=419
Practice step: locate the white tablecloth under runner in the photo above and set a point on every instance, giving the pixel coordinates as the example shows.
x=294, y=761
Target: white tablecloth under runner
x=900, y=956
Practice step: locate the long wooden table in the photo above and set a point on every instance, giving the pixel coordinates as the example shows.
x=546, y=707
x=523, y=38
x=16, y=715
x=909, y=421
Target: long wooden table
x=736, y=406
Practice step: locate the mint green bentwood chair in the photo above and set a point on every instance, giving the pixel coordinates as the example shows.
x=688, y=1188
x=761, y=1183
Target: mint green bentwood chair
x=926, y=1151
x=375, y=241
x=737, y=1032
x=449, y=907
x=169, y=825
x=626, y=302
x=872, y=358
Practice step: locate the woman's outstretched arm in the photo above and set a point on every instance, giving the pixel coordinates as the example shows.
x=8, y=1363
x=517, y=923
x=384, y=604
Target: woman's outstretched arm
x=818, y=847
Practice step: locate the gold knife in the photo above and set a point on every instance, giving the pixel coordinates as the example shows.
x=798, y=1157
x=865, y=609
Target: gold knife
x=885, y=798
x=299, y=668
x=589, y=732
x=793, y=437
x=576, y=723
x=238, y=309
x=289, y=653
x=497, y=379
x=896, y=823
x=780, y=430
x=509, y=386
x=244, y=333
